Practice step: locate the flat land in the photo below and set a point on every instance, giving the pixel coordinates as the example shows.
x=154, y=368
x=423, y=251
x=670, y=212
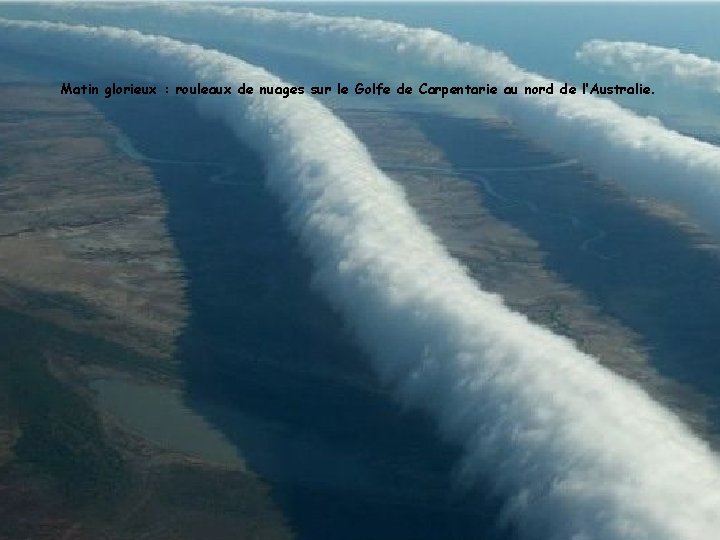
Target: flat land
x=82, y=237
x=92, y=300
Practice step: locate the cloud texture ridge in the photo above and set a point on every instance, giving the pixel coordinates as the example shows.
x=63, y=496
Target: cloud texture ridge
x=650, y=61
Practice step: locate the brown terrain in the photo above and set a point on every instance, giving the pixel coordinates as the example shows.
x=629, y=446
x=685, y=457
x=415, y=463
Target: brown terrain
x=82, y=226
x=91, y=289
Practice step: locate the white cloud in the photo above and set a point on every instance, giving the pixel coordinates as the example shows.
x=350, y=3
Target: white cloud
x=639, y=152
x=652, y=62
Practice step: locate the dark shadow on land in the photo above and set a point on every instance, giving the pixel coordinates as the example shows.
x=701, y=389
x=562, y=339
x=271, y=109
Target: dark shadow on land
x=641, y=269
x=269, y=364
x=264, y=358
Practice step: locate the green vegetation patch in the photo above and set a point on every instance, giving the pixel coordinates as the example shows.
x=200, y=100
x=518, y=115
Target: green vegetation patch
x=61, y=434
